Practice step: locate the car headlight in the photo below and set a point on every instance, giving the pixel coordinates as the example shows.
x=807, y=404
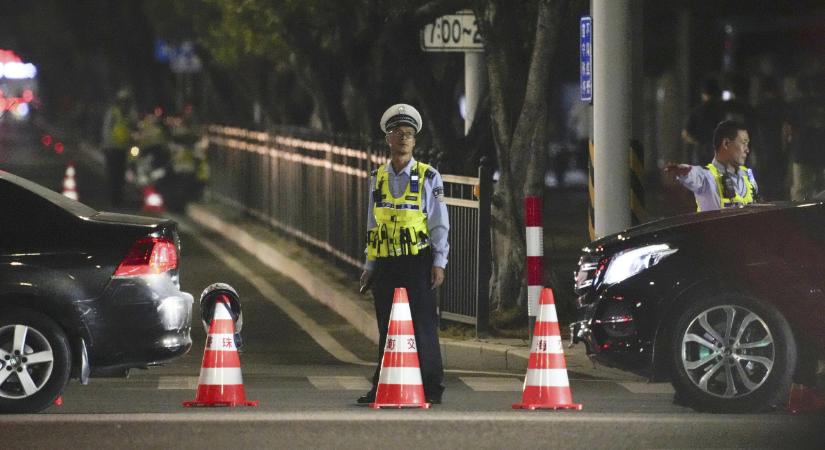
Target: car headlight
x=627, y=263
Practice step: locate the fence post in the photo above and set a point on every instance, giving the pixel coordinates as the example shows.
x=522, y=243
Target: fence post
x=485, y=262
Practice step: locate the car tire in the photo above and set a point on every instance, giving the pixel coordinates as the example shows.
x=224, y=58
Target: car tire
x=731, y=353
x=31, y=386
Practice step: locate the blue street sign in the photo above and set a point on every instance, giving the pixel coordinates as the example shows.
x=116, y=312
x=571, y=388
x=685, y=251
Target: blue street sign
x=586, y=58
x=163, y=50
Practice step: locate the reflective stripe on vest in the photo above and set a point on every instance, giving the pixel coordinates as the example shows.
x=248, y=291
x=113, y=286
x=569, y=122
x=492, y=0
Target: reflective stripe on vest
x=736, y=200
x=401, y=225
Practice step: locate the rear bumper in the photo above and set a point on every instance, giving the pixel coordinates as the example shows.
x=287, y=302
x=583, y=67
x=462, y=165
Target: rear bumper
x=139, y=322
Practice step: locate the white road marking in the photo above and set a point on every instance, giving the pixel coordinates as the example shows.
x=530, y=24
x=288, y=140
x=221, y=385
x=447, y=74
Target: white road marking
x=648, y=388
x=341, y=383
x=180, y=383
x=248, y=415
x=493, y=384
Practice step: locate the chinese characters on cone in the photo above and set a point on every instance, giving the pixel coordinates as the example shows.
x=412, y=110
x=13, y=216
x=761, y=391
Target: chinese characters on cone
x=546, y=385
x=220, y=382
x=399, y=384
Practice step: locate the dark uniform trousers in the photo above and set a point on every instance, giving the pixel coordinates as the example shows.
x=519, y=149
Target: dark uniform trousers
x=412, y=273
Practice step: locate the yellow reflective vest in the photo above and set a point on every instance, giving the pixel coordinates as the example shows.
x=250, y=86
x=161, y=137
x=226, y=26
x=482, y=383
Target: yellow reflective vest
x=401, y=225
x=736, y=200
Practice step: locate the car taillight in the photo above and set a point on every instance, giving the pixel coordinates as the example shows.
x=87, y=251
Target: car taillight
x=148, y=256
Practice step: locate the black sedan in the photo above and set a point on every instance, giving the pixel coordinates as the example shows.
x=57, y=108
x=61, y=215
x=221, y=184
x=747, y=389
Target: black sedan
x=82, y=293
x=728, y=305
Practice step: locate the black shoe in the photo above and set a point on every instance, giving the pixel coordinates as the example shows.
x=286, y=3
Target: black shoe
x=434, y=397
x=369, y=397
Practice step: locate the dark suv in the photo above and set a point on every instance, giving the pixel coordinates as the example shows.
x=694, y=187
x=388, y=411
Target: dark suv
x=728, y=305
x=82, y=293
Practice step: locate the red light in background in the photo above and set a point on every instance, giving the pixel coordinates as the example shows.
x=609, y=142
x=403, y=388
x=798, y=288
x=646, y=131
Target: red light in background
x=28, y=95
x=58, y=148
x=46, y=140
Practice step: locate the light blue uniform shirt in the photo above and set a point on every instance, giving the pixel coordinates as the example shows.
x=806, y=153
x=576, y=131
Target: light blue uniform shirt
x=432, y=201
x=701, y=182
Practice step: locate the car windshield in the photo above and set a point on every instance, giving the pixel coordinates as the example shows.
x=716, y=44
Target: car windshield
x=72, y=206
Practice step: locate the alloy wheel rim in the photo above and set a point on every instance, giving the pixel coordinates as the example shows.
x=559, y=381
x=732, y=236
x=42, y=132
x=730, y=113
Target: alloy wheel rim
x=26, y=361
x=728, y=351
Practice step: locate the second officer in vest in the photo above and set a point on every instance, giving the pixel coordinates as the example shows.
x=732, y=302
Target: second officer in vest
x=407, y=247
x=725, y=182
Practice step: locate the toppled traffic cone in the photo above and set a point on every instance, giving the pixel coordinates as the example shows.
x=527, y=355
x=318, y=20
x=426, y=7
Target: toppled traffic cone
x=152, y=200
x=69, y=184
x=399, y=383
x=804, y=400
x=546, y=385
x=221, y=382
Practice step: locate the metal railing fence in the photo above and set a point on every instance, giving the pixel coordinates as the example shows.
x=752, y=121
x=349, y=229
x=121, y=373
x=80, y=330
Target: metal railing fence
x=316, y=191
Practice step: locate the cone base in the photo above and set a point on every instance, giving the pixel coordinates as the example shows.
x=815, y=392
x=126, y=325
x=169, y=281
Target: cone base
x=534, y=406
x=400, y=405
x=218, y=403
x=805, y=400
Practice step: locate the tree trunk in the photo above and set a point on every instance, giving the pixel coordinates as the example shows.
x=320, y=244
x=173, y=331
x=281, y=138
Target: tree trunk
x=520, y=134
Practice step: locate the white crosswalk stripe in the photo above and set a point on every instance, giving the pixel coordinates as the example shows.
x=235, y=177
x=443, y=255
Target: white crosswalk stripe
x=648, y=388
x=493, y=384
x=340, y=383
x=362, y=383
x=169, y=383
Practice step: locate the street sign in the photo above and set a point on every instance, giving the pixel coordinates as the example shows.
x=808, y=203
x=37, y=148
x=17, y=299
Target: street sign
x=163, y=50
x=452, y=33
x=586, y=58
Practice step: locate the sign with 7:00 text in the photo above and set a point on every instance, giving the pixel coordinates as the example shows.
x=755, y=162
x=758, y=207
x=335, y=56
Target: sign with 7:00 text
x=452, y=33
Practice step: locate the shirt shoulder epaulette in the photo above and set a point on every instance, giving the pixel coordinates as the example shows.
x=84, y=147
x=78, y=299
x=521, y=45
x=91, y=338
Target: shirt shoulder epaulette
x=430, y=173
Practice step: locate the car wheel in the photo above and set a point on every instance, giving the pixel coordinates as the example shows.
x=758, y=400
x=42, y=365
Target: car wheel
x=35, y=361
x=732, y=353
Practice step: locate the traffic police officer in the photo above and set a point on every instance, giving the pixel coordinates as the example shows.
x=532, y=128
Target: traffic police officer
x=407, y=247
x=725, y=182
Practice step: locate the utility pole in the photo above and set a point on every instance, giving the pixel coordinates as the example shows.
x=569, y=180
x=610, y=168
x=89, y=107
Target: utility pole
x=612, y=114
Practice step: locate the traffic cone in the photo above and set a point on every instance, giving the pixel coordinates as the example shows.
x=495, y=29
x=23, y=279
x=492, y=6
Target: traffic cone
x=69, y=184
x=220, y=382
x=399, y=383
x=804, y=399
x=152, y=200
x=546, y=385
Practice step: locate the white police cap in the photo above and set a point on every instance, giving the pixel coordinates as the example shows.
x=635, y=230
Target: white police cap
x=401, y=114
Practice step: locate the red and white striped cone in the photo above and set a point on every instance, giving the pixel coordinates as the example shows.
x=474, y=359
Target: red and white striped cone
x=805, y=400
x=221, y=382
x=535, y=252
x=69, y=184
x=399, y=384
x=546, y=385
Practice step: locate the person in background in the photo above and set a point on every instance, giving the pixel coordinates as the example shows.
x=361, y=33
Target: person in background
x=119, y=125
x=407, y=228
x=698, y=130
x=725, y=182
x=771, y=141
x=806, y=132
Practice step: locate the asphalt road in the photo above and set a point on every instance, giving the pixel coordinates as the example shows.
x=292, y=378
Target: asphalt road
x=295, y=368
